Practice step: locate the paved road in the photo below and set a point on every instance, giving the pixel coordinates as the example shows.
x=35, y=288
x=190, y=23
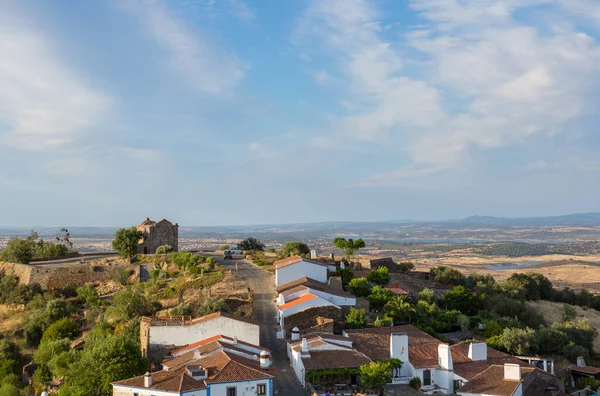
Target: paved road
x=262, y=284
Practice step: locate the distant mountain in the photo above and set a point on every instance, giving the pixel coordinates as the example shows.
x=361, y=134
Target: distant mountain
x=576, y=219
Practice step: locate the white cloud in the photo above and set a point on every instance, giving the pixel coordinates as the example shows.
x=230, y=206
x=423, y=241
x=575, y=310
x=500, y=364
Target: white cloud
x=488, y=80
x=43, y=103
x=201, y=61
x=241, y=11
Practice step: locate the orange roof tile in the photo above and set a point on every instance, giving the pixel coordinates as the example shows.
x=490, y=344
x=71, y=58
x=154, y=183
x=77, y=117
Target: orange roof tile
x=297, y=301
x=293, y=260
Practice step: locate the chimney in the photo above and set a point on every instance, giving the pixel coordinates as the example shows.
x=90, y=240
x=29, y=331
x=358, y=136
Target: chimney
x=197, y=354
x=580, y=361
x=147, y=380
x=234, y=342
x=512, y=372
x=445, y=357
x=313, y=254
x=264, y=360
x=280, y=299
x=332, y=256
x=477, y=351
x=399, y=346
x=304, y=351
x=295, y=334
x=343, y=265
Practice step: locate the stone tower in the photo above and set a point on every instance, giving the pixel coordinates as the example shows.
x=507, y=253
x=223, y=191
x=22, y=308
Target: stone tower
x=157, y=234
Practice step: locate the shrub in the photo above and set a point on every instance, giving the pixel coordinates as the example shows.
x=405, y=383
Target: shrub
x=270, y=250
x=356, y=318
x=184, y=309
x=62, y=328
x=405, y=267
x=295, y=248
x=585, y=381
x=569, y=313
x=415, y=383
x=213, y=305
x=121, y=275
x=224, y=247
x=360, y=287
x=447, y=275
x=461, y=299
x=380, y=276
x=251, y=244
x=346, y=274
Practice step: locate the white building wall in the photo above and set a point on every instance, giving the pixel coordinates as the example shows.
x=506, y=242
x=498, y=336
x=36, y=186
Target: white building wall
x=127, y=391
x=300, y=270
x=185, y=335
x=244, y=388
x=297, y=365
x=337, y=300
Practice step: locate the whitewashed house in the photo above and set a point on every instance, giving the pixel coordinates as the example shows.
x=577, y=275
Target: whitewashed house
x=216, y=366
x=181, y=331
x=296, y=267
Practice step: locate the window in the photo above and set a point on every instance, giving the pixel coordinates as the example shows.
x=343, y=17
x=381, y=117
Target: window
x=231, y=391
x=261, y=389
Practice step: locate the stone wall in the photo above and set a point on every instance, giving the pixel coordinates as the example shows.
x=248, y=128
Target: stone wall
x=372, y=263
x=308, y=318
x=158, y=234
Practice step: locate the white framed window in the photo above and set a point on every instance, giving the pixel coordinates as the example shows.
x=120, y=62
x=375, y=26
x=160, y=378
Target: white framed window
x=231, y=391
x=261, y=389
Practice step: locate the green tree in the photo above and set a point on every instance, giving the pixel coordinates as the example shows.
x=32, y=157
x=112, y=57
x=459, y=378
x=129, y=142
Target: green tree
x=19, y=250
x=349, y=245
x=62, y=328
x=379, y=297
x=127, y=304
x=380, y=276
x=405, y=267
x=89, y=295
x=360, y=287
x=569, y=313
x=400, y=308
x=184, y=309
x=461, y=299
x=346, y=274
x=375, y=375
x=251, y=244
x=295, y=248
x=447, y=276
x=519, y=341
x=164, y=249
x=213, y=305
x=104, y=360
x=356, y=318
x=185, y=260
x=427, y=295
x=126, y=242
x=224, y=247
x=9, y=390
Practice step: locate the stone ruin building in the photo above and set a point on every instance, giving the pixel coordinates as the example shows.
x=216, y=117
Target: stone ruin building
x=157, y=234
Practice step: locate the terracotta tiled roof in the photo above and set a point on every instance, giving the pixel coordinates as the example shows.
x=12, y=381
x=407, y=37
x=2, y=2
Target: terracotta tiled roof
x=293, y=260
x=195, y=345
x=399, y=291
x=228, y=341
x=297, y=301
x=467, y=368
x=307, y=283
x=337, y=358
x=491, y=382
x=238, y=369
x=375, y=343
x=589, y=370
x=170, y=381
x=540, y=383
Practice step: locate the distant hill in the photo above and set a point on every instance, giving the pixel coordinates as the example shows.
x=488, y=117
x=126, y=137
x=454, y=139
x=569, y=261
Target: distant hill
x=576, y=219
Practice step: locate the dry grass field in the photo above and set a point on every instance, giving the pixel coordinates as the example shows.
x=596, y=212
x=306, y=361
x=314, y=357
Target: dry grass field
x=553, y=312
x=11, y=318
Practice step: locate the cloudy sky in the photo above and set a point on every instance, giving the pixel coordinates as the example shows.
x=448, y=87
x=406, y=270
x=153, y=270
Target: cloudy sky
x=220, y=112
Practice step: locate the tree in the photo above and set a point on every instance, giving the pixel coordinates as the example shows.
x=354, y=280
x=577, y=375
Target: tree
x=569, y=313
x=427, y=295
x=185, y=260
x=128, y=303
x=9, y=390
x=105, y=360
x=126, y=241
x=164, y=249
x=405, y=267
x=400, y=309
x=251, y=244
x=89, y=295
x=19, y=250
x=356, y=318
x=461, y=299
x=375, y=375
x=224, y=247
x=360, y=287
x=346, y=274
x=349, y=245
x=519, y=341
x=380, y=276
x=295, y=248
x=62, y=328
x=379, y=297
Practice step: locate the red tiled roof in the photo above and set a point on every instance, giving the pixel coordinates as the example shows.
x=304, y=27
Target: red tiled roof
x=467, y=368
x=170, y=381
x=589, y=370
x=334, y=358
x=294, y=260
x=307, y=283
x=218, y=337
x=156, y=321
x=196, y=344
x=491, y=382
x=297, y=301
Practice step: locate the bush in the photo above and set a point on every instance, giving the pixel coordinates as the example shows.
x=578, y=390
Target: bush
x=213, y=305
x=461, y=299
x=295, y=248
x=185, y=260
x=496, y=342
x=379, y=297
x=346, y=274
x=271, y=250
x=427, y=295
x=183, y=310
x=588, y=381
x=224, y=247
x=385, y=321
x=447, y=276
x=380, y=276
x=360, y=287
x=251, y=244
x=405, y=267
x=519, y=341
x=62, y=328
x=121, y=275
x=569, y=313
x=356, y=318
x=415, y=383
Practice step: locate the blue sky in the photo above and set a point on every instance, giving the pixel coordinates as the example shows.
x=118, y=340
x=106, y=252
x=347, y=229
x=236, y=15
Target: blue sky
x=219, y=112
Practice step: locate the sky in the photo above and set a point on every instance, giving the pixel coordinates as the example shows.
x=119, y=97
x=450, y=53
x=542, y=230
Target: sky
x=231, y=112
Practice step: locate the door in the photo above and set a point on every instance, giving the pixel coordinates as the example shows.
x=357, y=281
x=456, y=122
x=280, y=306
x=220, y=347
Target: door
x=426, y=377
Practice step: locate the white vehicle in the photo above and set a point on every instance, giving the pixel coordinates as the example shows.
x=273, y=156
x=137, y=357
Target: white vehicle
x=236, y=251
